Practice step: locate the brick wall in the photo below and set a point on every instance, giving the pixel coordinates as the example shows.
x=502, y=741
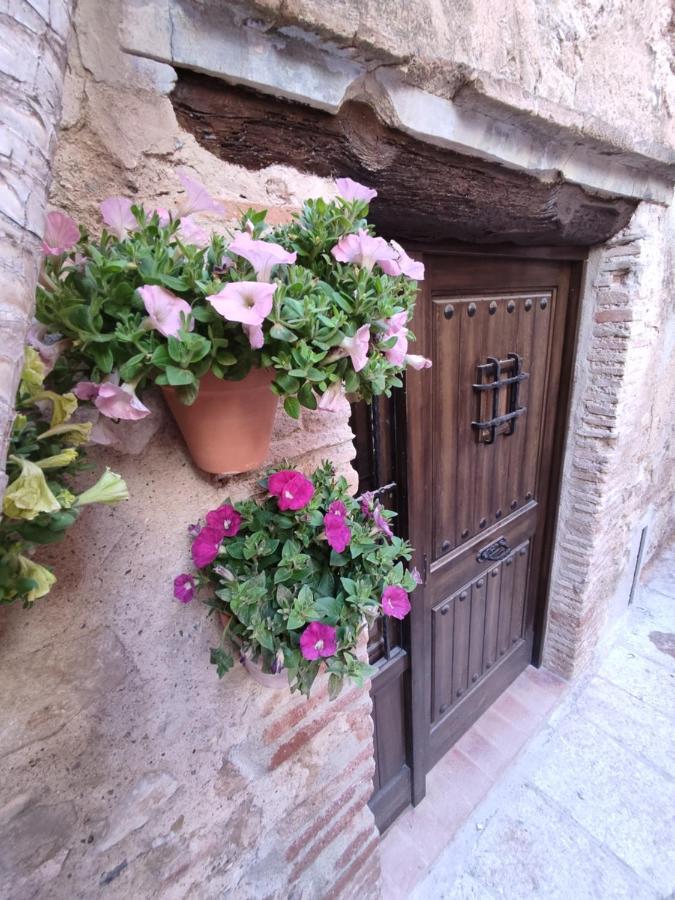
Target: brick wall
x=619, y=455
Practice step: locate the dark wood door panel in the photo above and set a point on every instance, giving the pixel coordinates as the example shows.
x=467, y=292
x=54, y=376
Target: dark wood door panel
x=480, y=445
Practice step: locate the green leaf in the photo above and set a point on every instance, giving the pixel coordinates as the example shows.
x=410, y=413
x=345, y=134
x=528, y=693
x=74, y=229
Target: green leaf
x=306, y=397
x=179, y=377
x=222, y=660
x=292, y=407
x=335, y=684
x=328, y=608
x=281, y=333
x=177, y=350
x=103, y=358
x=160, y=357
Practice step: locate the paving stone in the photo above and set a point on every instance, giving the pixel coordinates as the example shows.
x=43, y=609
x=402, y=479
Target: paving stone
x=619, y=714
x=626, y=804
x=643, y=678
x=527, y=850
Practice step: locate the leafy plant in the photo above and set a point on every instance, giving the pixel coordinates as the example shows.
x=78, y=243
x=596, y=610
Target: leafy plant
x=46, y=448
x=299, y=575
x=321, y=301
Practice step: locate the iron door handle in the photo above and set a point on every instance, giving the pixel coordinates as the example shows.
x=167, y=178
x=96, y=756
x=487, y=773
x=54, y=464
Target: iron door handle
x=494, y=552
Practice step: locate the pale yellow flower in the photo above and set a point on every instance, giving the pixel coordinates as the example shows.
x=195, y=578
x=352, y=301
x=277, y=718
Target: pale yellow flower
x=29, y=494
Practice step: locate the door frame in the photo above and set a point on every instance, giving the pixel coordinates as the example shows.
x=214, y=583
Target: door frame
x=418, y=712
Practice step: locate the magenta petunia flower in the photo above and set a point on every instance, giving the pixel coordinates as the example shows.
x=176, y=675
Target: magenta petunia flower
x=396, y=327
x=197, y=198
x=381, y=522
x=184, y=588
x=352, y=190
x=403, y=264
x=226, y=518
x=417, y=362
x=119, y=402
x=356, y=347
x=165, y=309
x=395, y=602
x=262, y=255
x=332, y=399
x=206, y=545
x=117, y=215
x=248, y=302
x=362, y=250
x=318, y=640
x=366, y=504
x=61, y=233
x=337, y=508
x=292, y=489
x=338, y=533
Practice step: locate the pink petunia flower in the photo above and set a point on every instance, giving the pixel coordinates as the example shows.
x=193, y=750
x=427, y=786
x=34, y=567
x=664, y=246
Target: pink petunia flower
x=48, y=346
x=403, y=264
x=362, y=250
x=292, y=489
x=190, y=232
x=86, y=390
x=332, y=399
x=366, y=504
x=248, y=302
x=396, y=327
x=338, y=533
x=184, y=588
x=318, y=640
x=356, y=347
x=417, y=362
x=162, y=213
x=61, y=233
x=395, y=602
x=197, y=198
x=119, y=402
x=117, y=215
x=255, y=336
x=352, y=190
x=165, y=309
x=226, y=518
x=206, y=545
x=262, y=255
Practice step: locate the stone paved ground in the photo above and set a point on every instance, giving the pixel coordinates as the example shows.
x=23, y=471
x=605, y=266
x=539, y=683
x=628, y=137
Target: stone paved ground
x=588, y=810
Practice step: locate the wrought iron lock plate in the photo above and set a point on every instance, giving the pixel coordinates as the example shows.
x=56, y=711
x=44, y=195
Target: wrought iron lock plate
x=487, y=428
x=495, y=551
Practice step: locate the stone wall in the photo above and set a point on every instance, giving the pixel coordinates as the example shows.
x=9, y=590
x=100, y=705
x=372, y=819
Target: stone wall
x=127, y=763
x=33, y=40
x=620, y=454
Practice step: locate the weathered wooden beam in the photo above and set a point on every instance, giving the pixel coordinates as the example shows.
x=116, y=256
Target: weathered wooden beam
x=426, y=193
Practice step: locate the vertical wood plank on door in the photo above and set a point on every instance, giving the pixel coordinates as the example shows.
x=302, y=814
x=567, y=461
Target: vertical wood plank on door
x=442, y=641
x=460, y=644
x=477, y=629
x=493, y=578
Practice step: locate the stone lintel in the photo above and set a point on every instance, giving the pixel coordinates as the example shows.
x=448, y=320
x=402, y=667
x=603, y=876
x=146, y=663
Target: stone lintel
x=482, y=116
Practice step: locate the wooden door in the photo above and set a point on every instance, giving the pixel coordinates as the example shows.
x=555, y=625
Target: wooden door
x=378, y=436
x=483, y=425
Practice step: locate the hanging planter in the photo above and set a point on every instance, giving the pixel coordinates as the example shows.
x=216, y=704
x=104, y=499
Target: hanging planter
x=296, y=577
x=275, y=681
x=229, y=426
x=313, y=309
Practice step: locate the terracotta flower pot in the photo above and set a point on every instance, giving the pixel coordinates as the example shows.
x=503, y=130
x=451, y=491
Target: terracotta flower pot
x=276, y=682
x=229, y=426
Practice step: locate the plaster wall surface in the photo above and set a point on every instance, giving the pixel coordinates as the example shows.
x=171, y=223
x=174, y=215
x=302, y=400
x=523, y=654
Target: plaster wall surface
x=127, y=765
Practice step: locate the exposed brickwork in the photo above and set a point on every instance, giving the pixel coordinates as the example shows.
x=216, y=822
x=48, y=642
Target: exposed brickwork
x=620, y=448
